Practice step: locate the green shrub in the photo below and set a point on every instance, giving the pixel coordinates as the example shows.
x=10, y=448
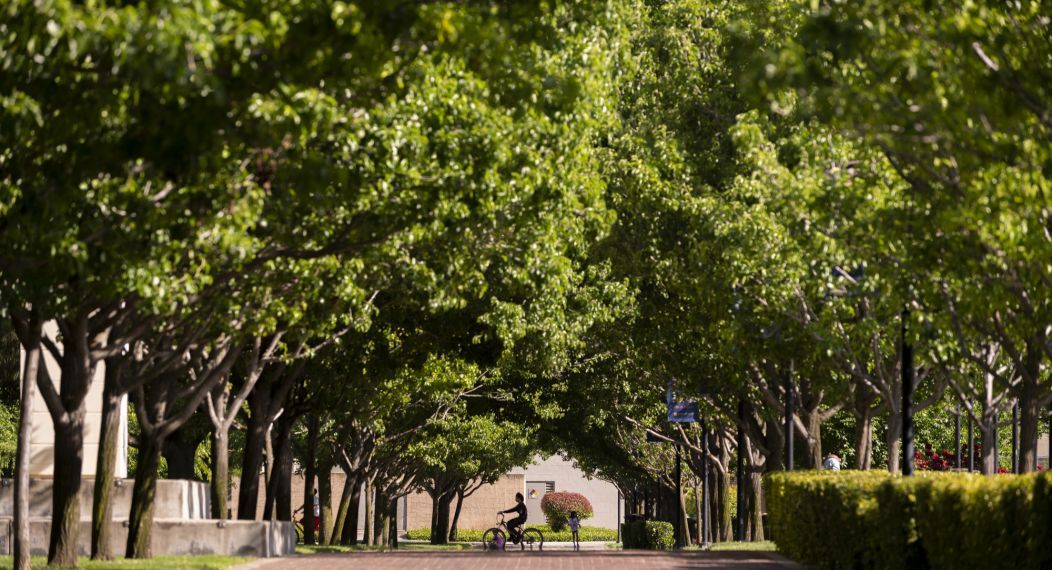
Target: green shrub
x=647, y=535
x=863, y=520
x=587, y=534
x=558, y=505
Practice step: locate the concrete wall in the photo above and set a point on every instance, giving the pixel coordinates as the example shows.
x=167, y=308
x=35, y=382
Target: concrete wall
x=175, y=537
x=42, y=436
x=174, y=499
x=561, y=472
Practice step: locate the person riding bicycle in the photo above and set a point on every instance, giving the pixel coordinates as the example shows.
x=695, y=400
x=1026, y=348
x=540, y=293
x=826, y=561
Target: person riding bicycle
x=515, y=524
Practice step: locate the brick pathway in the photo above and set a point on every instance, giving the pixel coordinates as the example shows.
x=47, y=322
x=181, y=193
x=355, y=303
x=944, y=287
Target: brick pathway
x=612, y=560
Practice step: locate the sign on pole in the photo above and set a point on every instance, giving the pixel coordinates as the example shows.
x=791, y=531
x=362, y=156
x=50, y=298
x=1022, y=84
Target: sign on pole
x=681, y=412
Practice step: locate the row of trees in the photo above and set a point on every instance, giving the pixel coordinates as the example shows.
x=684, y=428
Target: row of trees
x=353, y=217
x=801, y=190
x=384, y=236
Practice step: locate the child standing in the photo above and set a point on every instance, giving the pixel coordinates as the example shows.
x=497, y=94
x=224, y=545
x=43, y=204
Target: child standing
x=575, y=525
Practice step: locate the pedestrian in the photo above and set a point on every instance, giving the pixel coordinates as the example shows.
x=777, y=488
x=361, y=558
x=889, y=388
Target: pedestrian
x=317, y=512
x=575, y=526
x=832, y=463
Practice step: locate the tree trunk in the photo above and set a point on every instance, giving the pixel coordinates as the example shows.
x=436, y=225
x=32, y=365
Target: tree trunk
x=102, y=503
x=755, y=499
x=325, y=497
x=220, y=484
x=353, y=514
x=30, y=374
x=251, y=465
x=892, y=438
x=699, y=514
x=434, y=513
x=392, y=516
x=308, y=481
x=440, y=533
x=367, y=535
x=65, y=522
x=341, y=512
x=377, y=515
x=140, y=522
x=723, y=500
x=813, y=438
x=988, y=456
x=456, y=516
x=684, y=522
x=864, y=438
x=1029, y=420
x=383, y=503
x=279, y=484
x=774, y=442
x=180, y=453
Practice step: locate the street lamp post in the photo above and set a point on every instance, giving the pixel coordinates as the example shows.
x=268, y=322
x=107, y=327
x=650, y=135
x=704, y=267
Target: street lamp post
x=704, y=514
x=679, y=501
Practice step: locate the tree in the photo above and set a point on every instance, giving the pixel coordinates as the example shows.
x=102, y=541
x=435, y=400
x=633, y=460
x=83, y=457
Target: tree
x=458, y=455
x=961, y=113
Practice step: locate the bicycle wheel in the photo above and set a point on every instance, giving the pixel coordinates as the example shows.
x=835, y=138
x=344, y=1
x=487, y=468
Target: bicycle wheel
x=494, y=539
x=532, y=539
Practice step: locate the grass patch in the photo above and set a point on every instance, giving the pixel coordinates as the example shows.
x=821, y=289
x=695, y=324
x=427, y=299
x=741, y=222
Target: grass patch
x=203, y=562
x=587, y=534
x=759, y=546
x=402, y=546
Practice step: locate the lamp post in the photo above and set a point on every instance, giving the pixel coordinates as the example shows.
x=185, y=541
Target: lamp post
x=679, y=501
x=706, y=531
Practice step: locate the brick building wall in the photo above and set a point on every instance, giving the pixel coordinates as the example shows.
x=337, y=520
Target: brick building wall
x=556, y=473
x=479, y=510
x=339, y=479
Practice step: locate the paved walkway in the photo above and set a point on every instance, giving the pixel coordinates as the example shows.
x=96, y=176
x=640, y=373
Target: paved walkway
x=592, y=560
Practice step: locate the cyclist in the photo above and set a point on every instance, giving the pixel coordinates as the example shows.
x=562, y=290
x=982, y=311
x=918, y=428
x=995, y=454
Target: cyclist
x=515, y=525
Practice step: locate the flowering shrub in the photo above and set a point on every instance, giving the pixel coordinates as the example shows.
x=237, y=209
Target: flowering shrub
x=931, y=460
x=558, y=505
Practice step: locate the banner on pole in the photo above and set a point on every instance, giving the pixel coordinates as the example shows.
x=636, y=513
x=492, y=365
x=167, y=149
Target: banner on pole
x=681, y=412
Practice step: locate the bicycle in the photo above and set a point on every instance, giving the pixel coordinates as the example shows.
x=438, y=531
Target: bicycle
x=496, y=538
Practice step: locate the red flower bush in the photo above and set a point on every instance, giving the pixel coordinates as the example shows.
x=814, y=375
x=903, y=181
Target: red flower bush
x=931, y=460
x=558, y=505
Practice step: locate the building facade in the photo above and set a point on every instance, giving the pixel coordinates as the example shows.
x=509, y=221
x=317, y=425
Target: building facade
x=555, y=473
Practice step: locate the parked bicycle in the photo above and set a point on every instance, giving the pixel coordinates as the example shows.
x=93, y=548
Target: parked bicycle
x=497, y=537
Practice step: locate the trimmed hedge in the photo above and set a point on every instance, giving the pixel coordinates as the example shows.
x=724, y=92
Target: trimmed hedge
x=558, y=505
x=648, y=535
x=863, y=520
x=587, y=534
